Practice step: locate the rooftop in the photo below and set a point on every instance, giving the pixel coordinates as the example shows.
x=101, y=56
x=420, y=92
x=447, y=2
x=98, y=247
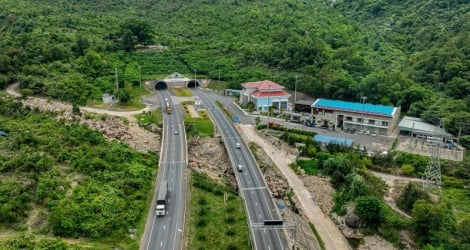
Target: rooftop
x=270, y=94
x=331, y=139
x=266, y=84
x=304, y=102
x=354, y=107
x=418, y=126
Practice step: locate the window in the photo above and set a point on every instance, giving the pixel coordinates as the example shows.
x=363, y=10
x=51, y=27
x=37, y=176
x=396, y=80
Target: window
x=384, y=123
x=348, y=118
x=371, y=121
x=359, y=120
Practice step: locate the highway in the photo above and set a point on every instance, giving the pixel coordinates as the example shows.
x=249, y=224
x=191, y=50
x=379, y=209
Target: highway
x=253, y=189
x=166, y=232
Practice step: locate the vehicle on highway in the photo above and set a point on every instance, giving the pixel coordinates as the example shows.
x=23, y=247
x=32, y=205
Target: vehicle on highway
x=162, y=198
x=176, y=132
x=240, y=168
x=168, y=108
x=238, y=145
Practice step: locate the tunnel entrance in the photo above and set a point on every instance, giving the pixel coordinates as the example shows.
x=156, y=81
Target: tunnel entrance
x=193, y=84
x=161, y=85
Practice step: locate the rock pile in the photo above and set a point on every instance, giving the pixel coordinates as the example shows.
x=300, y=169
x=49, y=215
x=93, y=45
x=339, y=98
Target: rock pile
x=112, y=128
x=276, y=184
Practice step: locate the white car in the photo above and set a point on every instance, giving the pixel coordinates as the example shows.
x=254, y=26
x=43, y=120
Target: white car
x=240, y=168
x=238, y=145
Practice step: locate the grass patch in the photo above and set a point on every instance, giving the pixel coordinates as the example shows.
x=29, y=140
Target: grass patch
x=145, y=119
x=217, y=218
x=460, y=200
x=310, y=166
x=199, y=127
x=183, y=92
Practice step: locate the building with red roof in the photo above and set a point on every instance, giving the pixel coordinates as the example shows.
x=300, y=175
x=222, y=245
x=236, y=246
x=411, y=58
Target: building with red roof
x=264, y=94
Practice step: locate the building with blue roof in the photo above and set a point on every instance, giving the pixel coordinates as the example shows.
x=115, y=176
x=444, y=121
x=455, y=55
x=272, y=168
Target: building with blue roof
x=376, y=119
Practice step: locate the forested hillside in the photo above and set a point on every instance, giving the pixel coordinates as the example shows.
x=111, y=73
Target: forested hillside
x=412, y=54
x=59, y=178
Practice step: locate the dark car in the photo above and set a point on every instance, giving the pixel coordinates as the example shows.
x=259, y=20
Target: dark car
x=352, y=131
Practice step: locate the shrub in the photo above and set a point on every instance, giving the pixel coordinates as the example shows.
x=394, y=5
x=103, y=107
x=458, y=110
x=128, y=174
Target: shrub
x=407, y=169
x=202, y=222
x=369, y=209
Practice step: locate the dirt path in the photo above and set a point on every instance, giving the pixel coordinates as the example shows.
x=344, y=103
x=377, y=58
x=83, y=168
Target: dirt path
x=395, y=182
x=328, y=231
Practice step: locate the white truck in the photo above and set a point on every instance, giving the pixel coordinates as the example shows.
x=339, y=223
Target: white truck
x=162, y=198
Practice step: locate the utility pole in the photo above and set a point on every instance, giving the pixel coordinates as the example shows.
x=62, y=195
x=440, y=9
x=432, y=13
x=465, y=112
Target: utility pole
x=432, y=173
x=195, y=80
x=364, y=98
x=295, y=90
x=218, y=87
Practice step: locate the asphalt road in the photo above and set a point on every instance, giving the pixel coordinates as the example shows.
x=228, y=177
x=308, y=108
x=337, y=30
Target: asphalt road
x=253, y=189
x=166, y=232
x=378, y=143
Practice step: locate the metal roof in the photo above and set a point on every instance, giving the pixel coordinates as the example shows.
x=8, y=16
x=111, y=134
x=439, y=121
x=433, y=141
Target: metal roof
x=304, y=102
x=331, y=139
x=356, y=107
x=418, y=126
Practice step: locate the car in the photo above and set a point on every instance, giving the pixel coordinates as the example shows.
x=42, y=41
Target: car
x=346, y=130
x=367, y=132
x=176, y=132
x=352, y=131
x=373, y=134
x=238, y=145
x=240, y=168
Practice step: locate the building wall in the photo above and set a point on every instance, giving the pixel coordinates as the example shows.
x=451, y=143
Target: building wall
x=261, y=104
x=381, y=125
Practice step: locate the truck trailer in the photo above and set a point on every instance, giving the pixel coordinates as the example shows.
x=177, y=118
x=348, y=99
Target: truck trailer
x=162, y=198
x=168, y=108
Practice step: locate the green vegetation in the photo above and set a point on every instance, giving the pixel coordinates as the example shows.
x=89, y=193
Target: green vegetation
x=85, y=186
x=310, y=167
x=182, y=92
x=217, y=219
x=197, y=126
x=146, y=119
x=412, y=54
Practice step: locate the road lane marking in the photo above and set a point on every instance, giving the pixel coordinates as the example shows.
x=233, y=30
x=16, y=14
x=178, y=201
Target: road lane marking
x=253, y=188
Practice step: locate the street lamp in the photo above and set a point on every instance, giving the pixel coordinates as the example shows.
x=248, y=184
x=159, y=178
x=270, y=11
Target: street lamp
x=364, y=98
x=295, y=90
x=218, y=87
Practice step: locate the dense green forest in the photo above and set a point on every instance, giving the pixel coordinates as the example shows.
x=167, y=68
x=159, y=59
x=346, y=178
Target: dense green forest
x=77, y=184
x=413, y=54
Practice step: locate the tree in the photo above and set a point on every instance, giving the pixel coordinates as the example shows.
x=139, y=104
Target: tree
x=369, y=209
x=338, y=168
x=432, y=224
x=257, y=120
x=410, y=194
